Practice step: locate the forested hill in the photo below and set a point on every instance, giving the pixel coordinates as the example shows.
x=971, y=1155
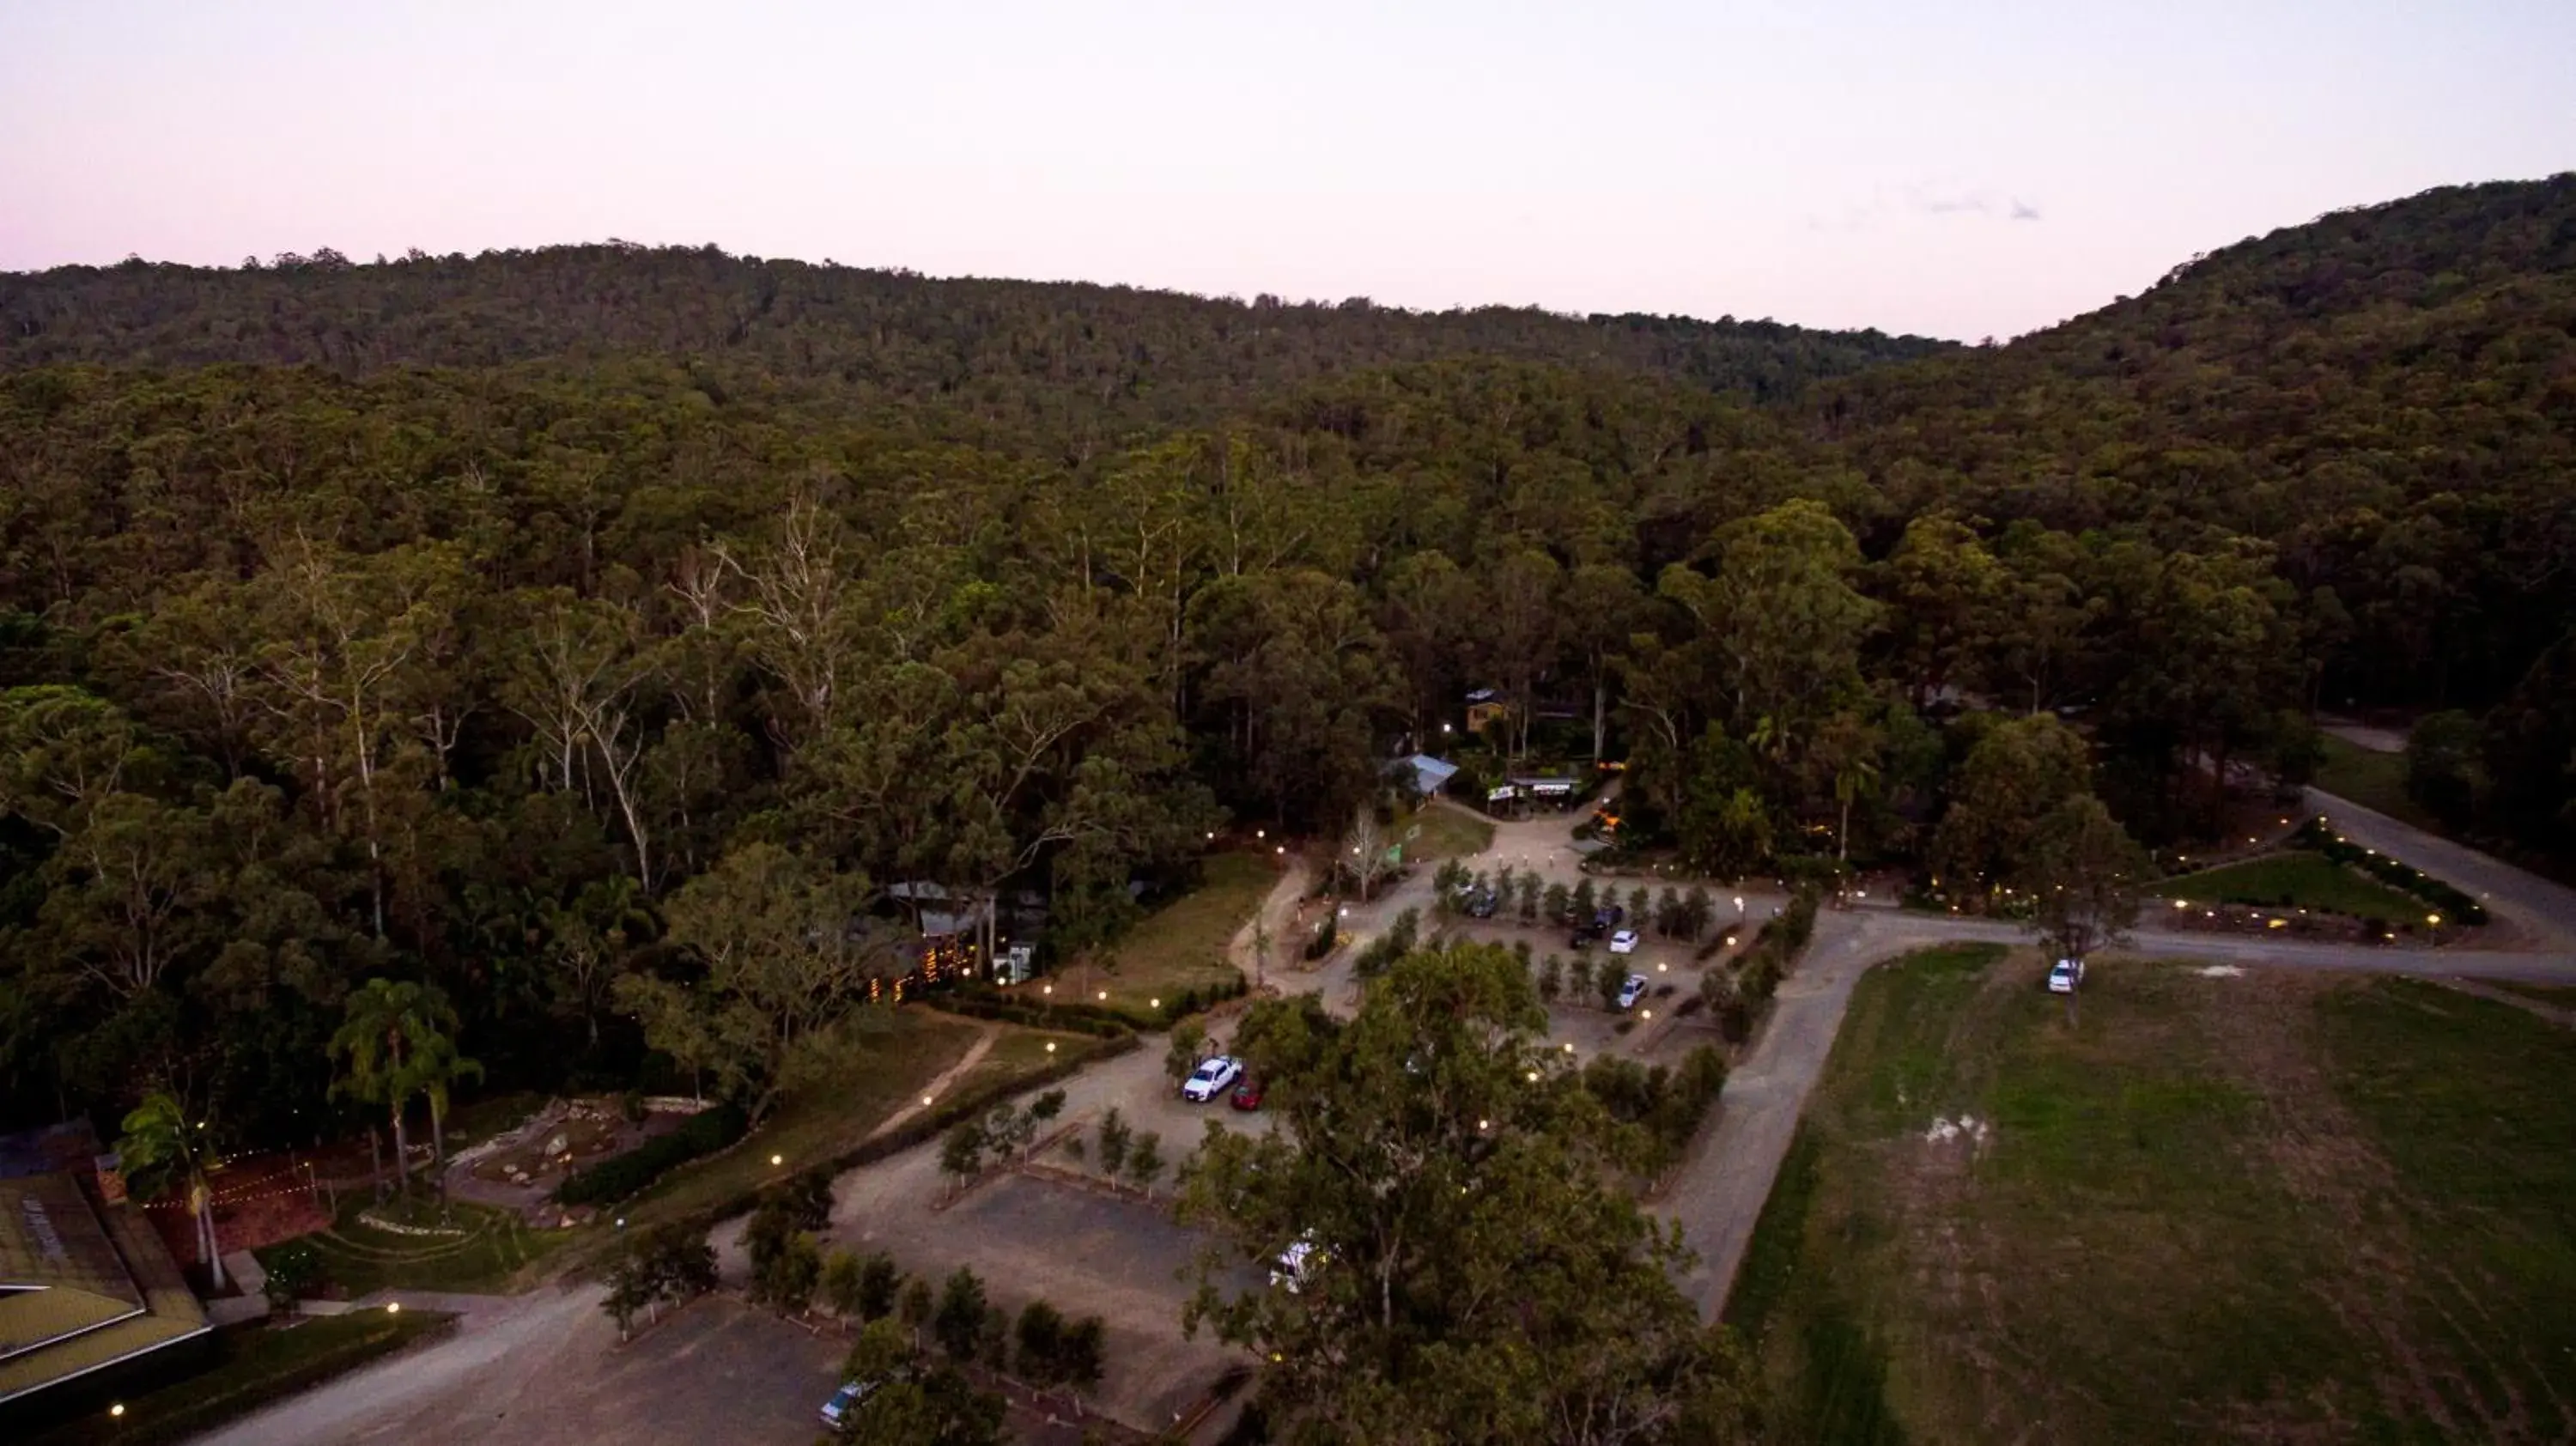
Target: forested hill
x=2385, y=396
x=1066, y=354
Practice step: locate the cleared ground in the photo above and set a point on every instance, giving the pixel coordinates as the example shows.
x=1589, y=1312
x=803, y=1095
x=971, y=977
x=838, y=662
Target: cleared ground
x=2197, y=1206
x=2371, y=778
x=2294, y=879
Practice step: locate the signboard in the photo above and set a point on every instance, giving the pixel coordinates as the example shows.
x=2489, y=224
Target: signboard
x=1018, y=961
x=1499, y=795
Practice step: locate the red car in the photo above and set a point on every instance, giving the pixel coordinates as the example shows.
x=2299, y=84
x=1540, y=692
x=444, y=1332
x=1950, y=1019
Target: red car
x=1247, y=1095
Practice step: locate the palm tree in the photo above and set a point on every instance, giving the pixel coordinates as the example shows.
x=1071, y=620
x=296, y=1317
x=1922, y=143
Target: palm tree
x=435, y=1065
x=159, y=1154
x=390, y=1026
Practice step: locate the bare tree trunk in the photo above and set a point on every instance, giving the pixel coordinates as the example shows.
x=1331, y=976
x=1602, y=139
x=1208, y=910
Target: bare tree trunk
x=402, y=1152
x=206, y=1228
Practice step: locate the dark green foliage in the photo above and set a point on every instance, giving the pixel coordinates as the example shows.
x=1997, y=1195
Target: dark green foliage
x=1386, y=948
x=2454, y=906
x=620, y=1176
x=958, y=1323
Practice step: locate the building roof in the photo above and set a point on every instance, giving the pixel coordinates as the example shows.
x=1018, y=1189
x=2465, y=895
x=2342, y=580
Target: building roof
x=1429, y=773
x=82, y=1285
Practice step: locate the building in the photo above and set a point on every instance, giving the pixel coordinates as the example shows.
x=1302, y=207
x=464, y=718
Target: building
x=85, y=1286
x=1486, y=706
x=1424, y=774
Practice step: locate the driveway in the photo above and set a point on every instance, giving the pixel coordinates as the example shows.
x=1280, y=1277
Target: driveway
x=2544, y=909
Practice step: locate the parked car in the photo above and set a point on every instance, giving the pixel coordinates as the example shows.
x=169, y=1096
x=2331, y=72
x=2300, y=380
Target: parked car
x=1481, y=904
x=1624, y=942
x=1631, y=990
x=1610, y=917
x=849, y=1398
x=1297, y=1264
x=1582, y=939
x=1247, y=1095
x=1211, y=1078
x=2064, y=975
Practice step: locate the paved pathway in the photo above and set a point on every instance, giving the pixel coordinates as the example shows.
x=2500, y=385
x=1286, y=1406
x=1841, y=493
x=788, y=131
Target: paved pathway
x=2546, y=909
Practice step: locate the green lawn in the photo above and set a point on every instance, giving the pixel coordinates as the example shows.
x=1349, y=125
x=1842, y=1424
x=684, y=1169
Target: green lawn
x=1446, y=833
x=252, y=1365
x=2272, y=1207
x=881, y=1060
x=2375, y=780
x=2562, y=995
x=2293, y=879
x=1182, y=944
x=492, y=1252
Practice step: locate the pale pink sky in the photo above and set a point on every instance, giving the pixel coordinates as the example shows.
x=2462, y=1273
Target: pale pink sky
x=1960, y=169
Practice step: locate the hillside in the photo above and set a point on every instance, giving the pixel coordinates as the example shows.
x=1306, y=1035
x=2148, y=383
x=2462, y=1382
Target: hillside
x=1068, y=358
x=2386, y=396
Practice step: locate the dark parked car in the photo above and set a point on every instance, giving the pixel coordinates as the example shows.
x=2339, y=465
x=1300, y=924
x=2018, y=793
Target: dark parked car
x=1609, y=918
x=1482, y=905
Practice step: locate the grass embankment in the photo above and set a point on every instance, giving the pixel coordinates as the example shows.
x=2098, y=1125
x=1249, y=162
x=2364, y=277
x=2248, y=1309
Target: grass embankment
x=2264, y=1208
x=2561, y=995
x=1181, y=946
x=491, y=1251
x=252, y=1366
x=1446, y=833
x=2375, y=780
x=880, y=1060
x=2296, y=879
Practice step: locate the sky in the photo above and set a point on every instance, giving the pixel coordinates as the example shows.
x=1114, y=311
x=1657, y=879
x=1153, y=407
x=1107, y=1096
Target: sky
x=1949, y=167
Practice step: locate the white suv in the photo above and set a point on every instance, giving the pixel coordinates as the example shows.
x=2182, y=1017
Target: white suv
x=1631, y=990
x=1211, y=1078
x=1624, y=942
x=2065, y=975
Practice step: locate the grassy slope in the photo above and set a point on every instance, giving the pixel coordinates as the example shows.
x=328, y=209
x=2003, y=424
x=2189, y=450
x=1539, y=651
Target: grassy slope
x=1182, y=945
x=2209, y=1209
x=2295, y=879
x=494, y=1253
x=1446, y=833
x=2375, y=780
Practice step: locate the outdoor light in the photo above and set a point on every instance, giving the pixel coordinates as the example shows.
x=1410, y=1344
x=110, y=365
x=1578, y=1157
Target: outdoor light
x=621, y=1222
x=1569, y=1046
x=925, y=1100
x=1279, y=848
x=1104, y=996
x=1153, y=1004
x=1533, y=1074
x=393, y=1307
x=1645, y=1014
x=1260, y=833
x=1730, y=941
x=117, y=1410
x=1050, y=1050
x=1484, y=1124
x=777, y=1160
x=2433, y=919
x=1046, y=989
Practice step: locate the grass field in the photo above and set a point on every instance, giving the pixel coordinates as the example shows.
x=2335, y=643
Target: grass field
x=2274, y=1207
x=2376, y=781
x=252, y=1366
x=1182, y=944
x=2293, y=879
x=493, y=1251
x=2562, y=995
x=1447, y=833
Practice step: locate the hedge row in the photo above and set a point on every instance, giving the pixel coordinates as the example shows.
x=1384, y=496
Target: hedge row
x=619, y=1176
x=2460, y=908
x=1074, y=1018
x=1775, y=948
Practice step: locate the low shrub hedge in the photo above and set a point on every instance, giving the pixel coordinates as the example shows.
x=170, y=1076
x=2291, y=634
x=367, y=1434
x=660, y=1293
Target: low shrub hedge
x=619, y=1176
x=2458, y=907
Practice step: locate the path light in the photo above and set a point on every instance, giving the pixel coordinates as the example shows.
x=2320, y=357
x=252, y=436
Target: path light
x=117, y=1410
x=925, y=1101
x=2179, y=904
x=1730, y=941
x=1660, y=968
x=1104, y=996
x=1153, y=1004
x=1046, y=989
x=1533, y=1074
x=1569, y=1046
x=393, y=1307
x=777, y=1160
x=1261, y=833
x=2433, y=919
x=1484, y=1124
x=1050, y=1050
x=1645, y=1014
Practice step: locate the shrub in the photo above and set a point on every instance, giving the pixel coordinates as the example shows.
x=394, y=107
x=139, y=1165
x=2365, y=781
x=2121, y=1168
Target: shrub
x=879, y=1282
x=1327, y=934
x=619, y=1176
x=2455, y=906
x=1041, y=1342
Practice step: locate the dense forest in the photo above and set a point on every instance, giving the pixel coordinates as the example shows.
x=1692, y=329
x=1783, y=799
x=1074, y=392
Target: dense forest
x=548, y=626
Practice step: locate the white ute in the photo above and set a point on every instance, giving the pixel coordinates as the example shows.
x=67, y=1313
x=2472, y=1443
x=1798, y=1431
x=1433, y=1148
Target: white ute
x=1211, y=1078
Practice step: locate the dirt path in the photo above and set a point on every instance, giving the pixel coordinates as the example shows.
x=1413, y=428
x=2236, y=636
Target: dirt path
x=938, y=1086
x=1277, y=908
x=2559, y=1015
x=2362, y=735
